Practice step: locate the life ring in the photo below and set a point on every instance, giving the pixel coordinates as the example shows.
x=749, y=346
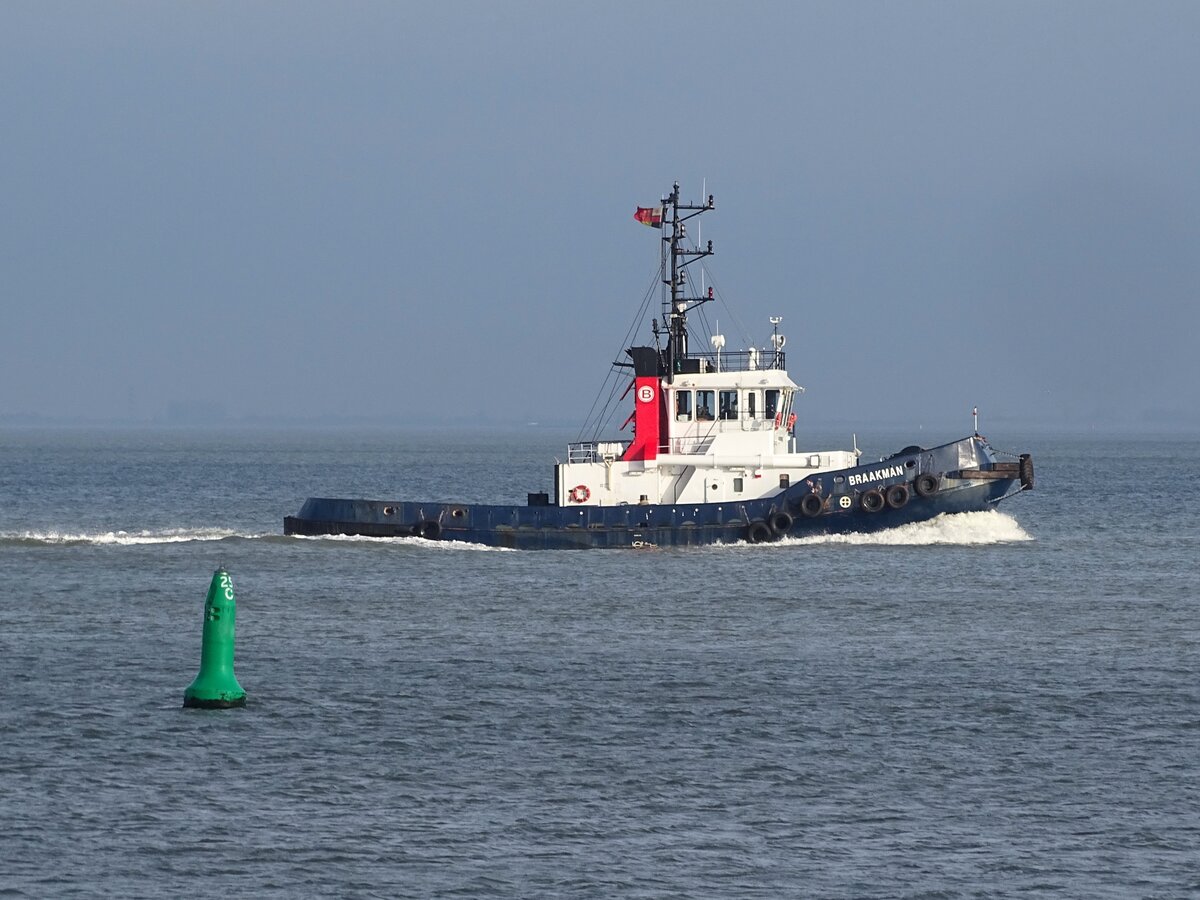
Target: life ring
x=781, y=522
x=811, y=505
x=925, y=484
x=872, y=501
x=897, y=495
x=791, y=421
x=580, y=493
x=758, y=532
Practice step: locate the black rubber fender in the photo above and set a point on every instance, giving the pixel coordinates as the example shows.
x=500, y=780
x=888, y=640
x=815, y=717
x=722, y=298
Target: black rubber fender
x=811, y=505
x=872, y=501
x=758, y=532
x=926, y=484
x=1026, y=470
x=897, y=495
x=781, y=522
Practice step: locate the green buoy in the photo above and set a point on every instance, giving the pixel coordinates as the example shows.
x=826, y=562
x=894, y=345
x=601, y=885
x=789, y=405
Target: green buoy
x=216, y=687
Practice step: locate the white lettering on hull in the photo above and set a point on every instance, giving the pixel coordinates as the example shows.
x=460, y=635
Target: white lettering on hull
x=876, y=475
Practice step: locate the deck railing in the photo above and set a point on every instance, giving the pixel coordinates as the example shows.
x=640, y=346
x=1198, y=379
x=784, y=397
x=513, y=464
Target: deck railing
x=738, y=360
x=594, y=451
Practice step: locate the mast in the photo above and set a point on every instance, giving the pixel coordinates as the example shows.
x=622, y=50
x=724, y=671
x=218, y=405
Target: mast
x=677, y=304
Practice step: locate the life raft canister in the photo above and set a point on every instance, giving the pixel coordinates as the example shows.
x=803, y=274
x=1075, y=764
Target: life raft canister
x=580, y=493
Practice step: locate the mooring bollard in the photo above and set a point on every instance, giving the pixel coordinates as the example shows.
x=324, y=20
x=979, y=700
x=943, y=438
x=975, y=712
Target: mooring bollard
x=216, y=687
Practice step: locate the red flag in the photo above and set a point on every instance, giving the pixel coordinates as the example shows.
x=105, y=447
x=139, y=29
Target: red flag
x=649, y=215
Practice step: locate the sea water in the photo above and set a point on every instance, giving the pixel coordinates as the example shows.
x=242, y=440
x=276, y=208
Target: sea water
x=989, y=705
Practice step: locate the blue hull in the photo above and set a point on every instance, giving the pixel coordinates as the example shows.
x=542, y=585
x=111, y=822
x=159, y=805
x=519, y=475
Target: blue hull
x=912, y=486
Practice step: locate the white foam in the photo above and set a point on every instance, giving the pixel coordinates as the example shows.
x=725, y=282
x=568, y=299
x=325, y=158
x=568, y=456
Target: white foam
x=964, y=529
x=124, y=538
x=402, y=540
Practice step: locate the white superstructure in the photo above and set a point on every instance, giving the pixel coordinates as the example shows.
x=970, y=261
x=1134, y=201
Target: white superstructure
x=727, y=436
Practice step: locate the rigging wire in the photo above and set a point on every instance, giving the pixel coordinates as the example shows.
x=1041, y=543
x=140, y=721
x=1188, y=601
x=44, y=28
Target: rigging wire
x=746, y=339
x=599, y=415
x=594, y=420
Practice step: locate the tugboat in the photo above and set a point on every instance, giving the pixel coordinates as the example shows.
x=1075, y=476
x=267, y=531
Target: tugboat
x=713, y=456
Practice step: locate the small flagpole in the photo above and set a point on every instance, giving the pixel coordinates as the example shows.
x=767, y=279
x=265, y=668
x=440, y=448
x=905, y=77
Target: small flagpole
x=975, y=414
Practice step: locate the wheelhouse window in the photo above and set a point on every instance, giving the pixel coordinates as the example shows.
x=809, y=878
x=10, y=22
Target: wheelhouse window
x=704, y=405
x=683, y=405
x=771, y=409
x=729, y=404
x=751, y=404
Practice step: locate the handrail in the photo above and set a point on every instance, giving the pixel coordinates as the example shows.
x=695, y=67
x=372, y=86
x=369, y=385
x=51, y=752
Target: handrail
x=740, y=360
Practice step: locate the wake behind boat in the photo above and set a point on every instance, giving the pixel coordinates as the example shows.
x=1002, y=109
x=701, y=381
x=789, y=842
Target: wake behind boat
x=713, y=456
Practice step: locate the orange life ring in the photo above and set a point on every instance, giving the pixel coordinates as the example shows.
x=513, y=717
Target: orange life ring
x=580, y=493
x=791, y=421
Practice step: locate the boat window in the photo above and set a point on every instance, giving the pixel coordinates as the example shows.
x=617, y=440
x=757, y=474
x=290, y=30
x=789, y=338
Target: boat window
x=772, y=407
x=729, y=407
x=683, y=405
x=704, y=404
x=751, y=403
x=737, y=485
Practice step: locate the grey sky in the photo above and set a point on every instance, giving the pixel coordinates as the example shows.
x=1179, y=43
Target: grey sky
x=420, y=211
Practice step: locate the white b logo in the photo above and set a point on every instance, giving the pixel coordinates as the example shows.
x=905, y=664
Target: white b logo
x=645, y=393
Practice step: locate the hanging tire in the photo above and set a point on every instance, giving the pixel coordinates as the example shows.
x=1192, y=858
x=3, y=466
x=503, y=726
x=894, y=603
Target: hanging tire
x=1026, y=470
x=811, y=505
x=926, y=485
x=897, y=495
x=430, y=530
x=872, y=501
x=781, y=522
x=758, y=532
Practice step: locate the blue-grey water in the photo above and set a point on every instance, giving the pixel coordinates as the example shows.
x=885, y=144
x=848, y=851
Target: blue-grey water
x=996, y=705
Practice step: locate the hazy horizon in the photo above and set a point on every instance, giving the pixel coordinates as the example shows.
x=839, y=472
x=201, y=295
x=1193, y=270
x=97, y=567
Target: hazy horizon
x=393, y=213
